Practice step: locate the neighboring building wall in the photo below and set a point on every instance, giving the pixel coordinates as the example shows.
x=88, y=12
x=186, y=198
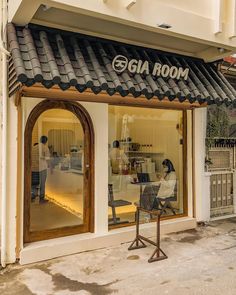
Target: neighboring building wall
x=220, y=155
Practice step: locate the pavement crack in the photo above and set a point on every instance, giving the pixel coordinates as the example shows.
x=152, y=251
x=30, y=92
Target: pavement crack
x=228, y=248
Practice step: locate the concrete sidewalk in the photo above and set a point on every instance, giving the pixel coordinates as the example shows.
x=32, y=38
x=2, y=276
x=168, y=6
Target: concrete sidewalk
x=201, y=261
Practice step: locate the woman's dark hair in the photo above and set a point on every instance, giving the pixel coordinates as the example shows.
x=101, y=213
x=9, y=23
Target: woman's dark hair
x=168, y=164
x=116, y=144
x=43, y=139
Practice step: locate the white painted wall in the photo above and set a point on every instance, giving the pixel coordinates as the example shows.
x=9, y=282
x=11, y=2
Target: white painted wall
x=190, y=163
x=99, y=116
x=0, y=161
x=201, y=178
x=234, y=191
x=12, y=181
x=205, y=21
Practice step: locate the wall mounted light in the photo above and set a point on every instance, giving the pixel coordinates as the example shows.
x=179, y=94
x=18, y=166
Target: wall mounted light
x=46, y=7
x=164, y=26
x=221, y=50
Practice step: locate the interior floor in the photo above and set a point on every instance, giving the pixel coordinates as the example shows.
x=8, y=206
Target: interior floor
x=72, y=202
x=67, y=210
x=50, y=215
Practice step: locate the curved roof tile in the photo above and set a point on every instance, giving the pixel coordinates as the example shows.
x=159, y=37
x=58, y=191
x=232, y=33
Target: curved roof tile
x=54, y=57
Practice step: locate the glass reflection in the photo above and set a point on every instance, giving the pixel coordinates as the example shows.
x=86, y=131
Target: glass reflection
x=57, y=171
x=145, y=159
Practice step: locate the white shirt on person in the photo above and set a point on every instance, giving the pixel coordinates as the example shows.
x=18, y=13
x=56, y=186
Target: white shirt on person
x=167, y=185
x=40, y=157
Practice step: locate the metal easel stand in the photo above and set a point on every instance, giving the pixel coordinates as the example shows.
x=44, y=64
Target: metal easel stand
x=138, y=243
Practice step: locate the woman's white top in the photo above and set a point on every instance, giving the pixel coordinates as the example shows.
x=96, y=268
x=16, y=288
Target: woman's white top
x=167, y=185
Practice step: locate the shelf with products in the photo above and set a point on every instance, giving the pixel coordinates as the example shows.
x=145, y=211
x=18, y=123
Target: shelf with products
x=143, y=152
x=130, y=147
x=145, y=161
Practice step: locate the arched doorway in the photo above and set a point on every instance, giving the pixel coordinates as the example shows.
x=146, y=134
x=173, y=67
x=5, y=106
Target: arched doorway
x=59, y=171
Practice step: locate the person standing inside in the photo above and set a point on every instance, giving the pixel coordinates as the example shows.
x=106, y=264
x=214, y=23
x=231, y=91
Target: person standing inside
x=40, y=161
x=34, y=171
x=119, y=160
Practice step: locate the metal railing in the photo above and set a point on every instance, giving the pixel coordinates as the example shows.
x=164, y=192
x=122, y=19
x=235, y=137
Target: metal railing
x=221, y=193
x=221, y=164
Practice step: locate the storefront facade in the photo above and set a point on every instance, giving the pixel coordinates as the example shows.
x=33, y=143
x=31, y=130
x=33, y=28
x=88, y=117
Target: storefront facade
x=93, y=99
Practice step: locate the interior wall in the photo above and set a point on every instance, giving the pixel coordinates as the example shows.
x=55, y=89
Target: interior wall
x=75, y=129
x=151, y=126
x=163, y=138
x=65, y=121
x=148, y=128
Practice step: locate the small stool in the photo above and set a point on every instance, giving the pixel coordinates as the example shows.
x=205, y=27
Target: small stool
x=138, y=243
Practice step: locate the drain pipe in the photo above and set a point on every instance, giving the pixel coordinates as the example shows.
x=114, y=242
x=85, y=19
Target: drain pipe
x=4, y=53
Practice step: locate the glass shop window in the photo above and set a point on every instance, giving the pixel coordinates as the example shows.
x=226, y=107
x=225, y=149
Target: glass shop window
x=57, y=171
x=145, y=157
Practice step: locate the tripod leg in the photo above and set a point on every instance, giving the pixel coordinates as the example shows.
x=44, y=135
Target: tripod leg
x=137, y=226
x=137, y=241
x=156, y=254
x=158, y=234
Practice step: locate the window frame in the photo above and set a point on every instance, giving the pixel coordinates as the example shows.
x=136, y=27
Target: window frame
x=185, y=165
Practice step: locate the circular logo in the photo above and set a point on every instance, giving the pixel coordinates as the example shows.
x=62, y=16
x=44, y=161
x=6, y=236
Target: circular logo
x=119, y=63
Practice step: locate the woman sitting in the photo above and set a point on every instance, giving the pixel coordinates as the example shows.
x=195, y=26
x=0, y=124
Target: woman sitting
x=167, y=191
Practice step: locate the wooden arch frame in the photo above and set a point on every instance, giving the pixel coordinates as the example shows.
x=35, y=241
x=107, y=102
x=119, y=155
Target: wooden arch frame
x=86, y=122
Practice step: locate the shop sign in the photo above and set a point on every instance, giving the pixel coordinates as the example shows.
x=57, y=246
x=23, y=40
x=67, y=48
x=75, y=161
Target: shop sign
x=120, y=63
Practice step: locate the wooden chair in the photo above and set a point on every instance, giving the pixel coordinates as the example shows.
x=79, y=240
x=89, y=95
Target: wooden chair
x=114, y=204
x=165, y=203
x=149, y=190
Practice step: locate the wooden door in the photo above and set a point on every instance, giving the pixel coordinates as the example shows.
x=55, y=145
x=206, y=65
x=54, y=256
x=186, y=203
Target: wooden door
x=59, y=171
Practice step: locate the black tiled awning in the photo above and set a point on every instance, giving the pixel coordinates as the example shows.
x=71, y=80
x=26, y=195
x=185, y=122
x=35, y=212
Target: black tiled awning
x=54, y=57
